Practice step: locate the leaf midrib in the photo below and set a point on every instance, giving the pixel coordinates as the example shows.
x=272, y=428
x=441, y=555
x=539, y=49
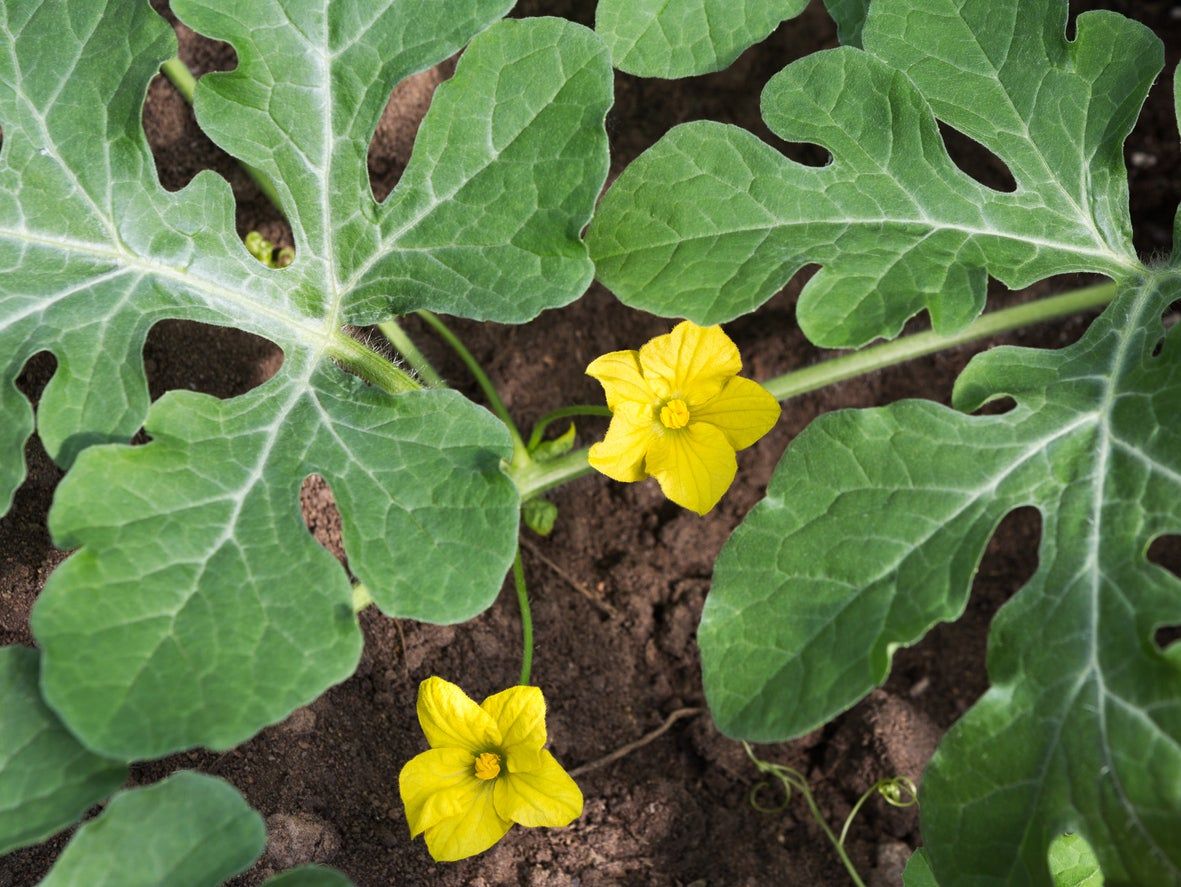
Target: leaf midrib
x=314, y=336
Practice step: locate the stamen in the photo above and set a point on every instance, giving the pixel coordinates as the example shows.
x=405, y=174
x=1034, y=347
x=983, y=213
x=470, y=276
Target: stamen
x=674, y=414
x=487, y=765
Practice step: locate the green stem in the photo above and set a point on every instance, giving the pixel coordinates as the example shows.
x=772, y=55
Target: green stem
x=370, y=365
x=405, y=346
x=520, y=453
x=526, y=619
x=849, y=366
x=182, y=78
x=853, y=813
x=533, y=480
x=563, y=413
x=793, y=779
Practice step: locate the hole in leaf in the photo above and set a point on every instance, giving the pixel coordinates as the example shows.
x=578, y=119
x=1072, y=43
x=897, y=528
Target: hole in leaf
x=321, y=516
x=181, y=149
x=1158, y=347
x=997, y=407
x=976, y=161
x=221, y=361
x=38, y=370
x=1167, y=635
x=1165, y=551
x=948, y=668
x=393, y=140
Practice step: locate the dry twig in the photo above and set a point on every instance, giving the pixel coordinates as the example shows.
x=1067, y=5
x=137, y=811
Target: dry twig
x=625, y=750
x=601, y=605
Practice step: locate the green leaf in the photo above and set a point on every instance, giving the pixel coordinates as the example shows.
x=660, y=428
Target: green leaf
x=918, y=871
x=309, y=876
x=190, y=830
x=872, y=529
x=1073, y=863
x=558, y=446
x=539, y=515
x=47, y=780
x=199, y=609
x=711, y=221
x=850, y=18
x=680, y=38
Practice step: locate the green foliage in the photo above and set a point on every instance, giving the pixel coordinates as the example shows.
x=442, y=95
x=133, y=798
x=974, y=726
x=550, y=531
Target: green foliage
x=309, y=876
x=872, y=529
x=1073, y=863
x=47, y=780
x=850, y=18
x=918, y=871
x=678, y=38
x=711, y=221
x=199, y=609
x=558, y=446
x=682, y=38
x=876, y=520
x=539, y=515
x=191, y=830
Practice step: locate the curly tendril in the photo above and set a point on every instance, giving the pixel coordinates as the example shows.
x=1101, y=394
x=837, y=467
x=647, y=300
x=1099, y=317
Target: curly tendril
x=897, y=791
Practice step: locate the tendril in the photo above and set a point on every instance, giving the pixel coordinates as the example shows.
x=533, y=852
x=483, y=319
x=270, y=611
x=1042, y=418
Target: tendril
x=897, y=791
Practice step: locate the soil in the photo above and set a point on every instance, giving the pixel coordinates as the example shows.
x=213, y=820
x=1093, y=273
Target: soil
x=617, y=588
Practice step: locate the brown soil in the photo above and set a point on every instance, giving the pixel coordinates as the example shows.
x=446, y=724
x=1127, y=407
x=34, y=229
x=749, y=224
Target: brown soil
x=618, y=587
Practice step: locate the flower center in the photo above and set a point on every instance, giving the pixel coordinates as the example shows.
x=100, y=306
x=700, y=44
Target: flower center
x=487, y=765
x=674, y=414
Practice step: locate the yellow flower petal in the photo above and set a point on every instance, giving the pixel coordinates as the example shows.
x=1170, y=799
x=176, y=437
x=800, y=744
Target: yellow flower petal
x=434, y=786
x=619, y=373
x=545, y=796
x=744, y=411
x=450, y=719
x=691, y=362
x=694, y=465
x=620, y=455
x=519, y=713
x=473, y=831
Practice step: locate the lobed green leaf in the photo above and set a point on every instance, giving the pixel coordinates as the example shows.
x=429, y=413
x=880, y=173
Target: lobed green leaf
x=679, y=38
x=710, y=222
x=198, y=608
x=190, y=829
x=872, y=529
x=47, y=780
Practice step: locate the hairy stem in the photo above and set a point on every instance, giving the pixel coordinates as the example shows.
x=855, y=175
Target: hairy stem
x=532, y=479
x=369, y=365
x=405, y=346
x=345, y=350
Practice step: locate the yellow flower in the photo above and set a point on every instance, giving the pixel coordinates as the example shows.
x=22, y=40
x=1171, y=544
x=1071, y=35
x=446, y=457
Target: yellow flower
x=486, y=769
x=679, y=412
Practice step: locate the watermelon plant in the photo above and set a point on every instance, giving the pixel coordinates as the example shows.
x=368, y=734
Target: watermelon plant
x=197, y=610
x=875, y=520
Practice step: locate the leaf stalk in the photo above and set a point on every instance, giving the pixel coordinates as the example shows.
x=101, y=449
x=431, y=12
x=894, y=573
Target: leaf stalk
x=533, y=480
